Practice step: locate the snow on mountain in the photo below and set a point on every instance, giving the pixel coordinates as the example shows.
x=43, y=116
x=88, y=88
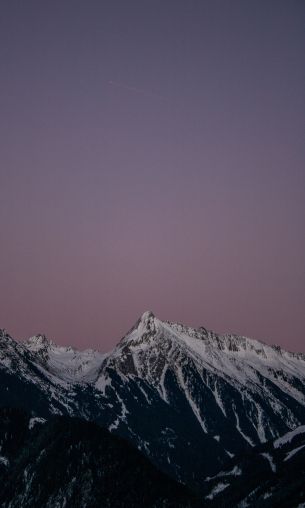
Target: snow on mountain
x=43, y=378
x=66, y=363
x=270, y=475
x=261, y=377
x=188, y=398
x=287, y=438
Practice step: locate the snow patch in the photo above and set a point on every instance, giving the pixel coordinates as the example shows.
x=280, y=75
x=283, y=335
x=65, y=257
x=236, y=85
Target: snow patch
x=278, y=443
x=190, y=400
x=4, y=460
x=293, y=452
x=217, y=489
x=270, y=460
x=34, y=421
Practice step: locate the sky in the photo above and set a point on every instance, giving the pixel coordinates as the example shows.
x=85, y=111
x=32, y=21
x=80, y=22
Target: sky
x=152, y=157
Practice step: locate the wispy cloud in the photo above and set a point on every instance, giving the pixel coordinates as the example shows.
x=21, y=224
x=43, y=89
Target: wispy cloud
x=135, y=89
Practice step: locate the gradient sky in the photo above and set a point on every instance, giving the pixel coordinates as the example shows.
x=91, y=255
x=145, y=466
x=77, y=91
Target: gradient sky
x=152, y=156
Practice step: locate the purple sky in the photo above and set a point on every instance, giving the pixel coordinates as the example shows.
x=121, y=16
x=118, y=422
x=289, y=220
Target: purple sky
x=152, y=156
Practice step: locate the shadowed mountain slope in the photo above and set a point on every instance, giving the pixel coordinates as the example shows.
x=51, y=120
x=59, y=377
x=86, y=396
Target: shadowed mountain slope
x=67, y=462
x=269, y=476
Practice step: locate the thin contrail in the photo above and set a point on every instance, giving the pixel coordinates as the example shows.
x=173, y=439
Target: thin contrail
x=135, y=89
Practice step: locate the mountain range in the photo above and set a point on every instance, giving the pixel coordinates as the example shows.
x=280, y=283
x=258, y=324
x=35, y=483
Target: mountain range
x=192, y=401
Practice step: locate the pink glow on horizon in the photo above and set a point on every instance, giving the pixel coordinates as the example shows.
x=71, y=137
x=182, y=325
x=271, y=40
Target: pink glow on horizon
x=114, y=202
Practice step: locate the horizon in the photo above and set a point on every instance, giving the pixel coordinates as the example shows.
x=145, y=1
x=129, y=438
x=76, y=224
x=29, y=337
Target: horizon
x=117, y=342
x=152, y=156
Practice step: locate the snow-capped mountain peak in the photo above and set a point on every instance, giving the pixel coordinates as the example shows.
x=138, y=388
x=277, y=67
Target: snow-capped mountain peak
x=65, y=362
x=5, y=337
x=167, y=387
x=147, y=324
x=147, y=320
x=143, y=330
x=38, y=342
